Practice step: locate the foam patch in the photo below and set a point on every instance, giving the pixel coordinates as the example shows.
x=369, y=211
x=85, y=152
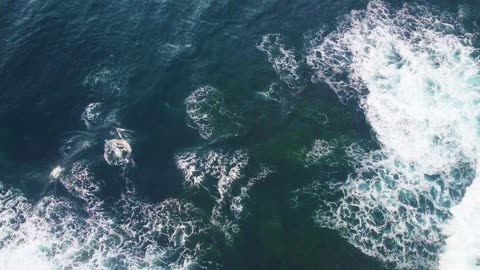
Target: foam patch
x=416, y=76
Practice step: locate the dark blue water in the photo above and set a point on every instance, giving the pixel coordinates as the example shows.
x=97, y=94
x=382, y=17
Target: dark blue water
x=137, y=63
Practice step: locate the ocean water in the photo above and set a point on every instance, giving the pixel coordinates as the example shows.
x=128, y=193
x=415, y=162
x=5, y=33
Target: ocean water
x=265, y=134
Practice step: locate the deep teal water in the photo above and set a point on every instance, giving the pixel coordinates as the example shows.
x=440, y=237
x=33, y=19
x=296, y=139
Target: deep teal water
x=141, y=60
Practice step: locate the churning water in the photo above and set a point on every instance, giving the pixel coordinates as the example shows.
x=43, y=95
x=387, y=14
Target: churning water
x=226, y=135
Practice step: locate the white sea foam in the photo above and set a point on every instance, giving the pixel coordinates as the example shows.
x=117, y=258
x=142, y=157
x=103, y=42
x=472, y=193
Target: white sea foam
x=83, y=233
x=55, y=234
x=118, y=152
x=237, y=203
x=230, y=185
x=416, y=75
x=463, y=244
x=223, y=166
x=205, y=108
x=283, y=60
x=187, y=162
x=318, y=151
x=91, y=114
x=25, y=242
x=81, y=182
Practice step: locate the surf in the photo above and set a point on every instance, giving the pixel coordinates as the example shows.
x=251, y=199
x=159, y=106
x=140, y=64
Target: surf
x=415, y=73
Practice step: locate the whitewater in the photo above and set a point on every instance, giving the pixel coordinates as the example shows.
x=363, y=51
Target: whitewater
x=415, y=73
x=183, y=151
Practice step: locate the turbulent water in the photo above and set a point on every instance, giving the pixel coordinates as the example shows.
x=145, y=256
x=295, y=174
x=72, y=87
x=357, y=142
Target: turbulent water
x=239, y=135
x=415, y=74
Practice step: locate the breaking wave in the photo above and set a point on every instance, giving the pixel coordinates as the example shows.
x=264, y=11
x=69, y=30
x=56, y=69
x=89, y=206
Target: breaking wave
x=416, y=75
x=57, y=233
